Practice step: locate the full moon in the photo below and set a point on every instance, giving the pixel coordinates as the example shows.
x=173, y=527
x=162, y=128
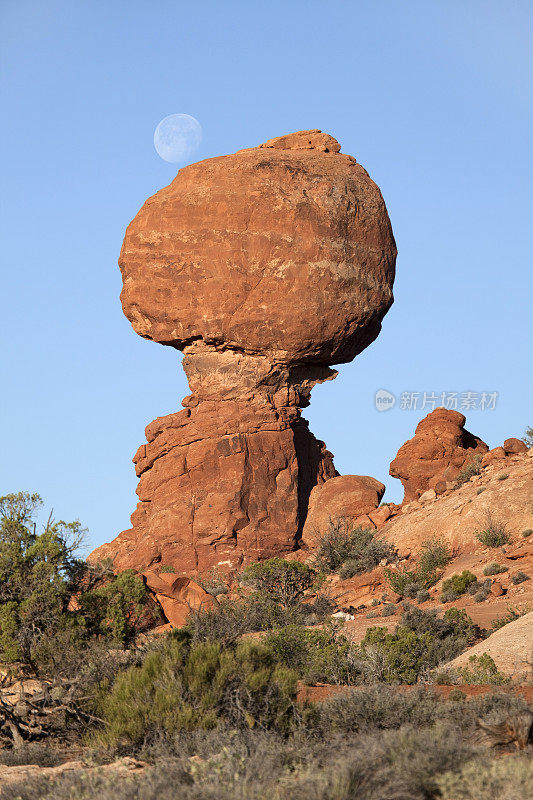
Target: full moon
x=177, y=137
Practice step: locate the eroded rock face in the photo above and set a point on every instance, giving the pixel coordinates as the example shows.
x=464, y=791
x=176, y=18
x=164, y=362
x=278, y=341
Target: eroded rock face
x=265, y=267
x=435, y=455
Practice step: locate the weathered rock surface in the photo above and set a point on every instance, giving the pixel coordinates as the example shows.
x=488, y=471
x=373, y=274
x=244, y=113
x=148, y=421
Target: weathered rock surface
x=346, y=497
x=283, y=251
x=265, y=267
x=439, y=449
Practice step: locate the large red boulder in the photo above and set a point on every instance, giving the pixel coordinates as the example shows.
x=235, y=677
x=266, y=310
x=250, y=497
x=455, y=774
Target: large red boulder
x=265, y=267
x=440, y=448
x=284, y=251
x=344, y=498
x=178, y=596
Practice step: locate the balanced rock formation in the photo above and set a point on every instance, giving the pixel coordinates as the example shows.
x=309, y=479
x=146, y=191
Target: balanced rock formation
x=435, y=455
x=265, y=268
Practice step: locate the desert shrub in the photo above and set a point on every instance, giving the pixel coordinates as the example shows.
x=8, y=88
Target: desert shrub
x=213, y=582
x=321, y=655
x=456, y=585
x=528, y=437
x=228, y=621
x=374, y=708
x=519, y=577
x=39, y=575
x=481, y=595
x=117, y=607
x=187, y=686
x=405, y=653
x=284, y=582
x=471, y=468
x=38, y=572
x=494, y=533
x=419, y=642
x=527, y=532
x=389, y=609
x=30, y=753
x=494, y=569
x=402, y=764
x=508, y=778
x=400, y=579
x=510, y=615
x=350, y=549
x=411, y=590
x=167, y=568
x=502, y=476
x=482, y=670
x=434, y=554
x=422, y=596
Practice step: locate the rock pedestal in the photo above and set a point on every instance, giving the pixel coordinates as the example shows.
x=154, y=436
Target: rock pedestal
x=264, y=267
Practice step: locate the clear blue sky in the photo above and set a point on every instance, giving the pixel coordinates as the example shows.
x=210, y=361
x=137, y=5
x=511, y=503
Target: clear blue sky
x=433, y=98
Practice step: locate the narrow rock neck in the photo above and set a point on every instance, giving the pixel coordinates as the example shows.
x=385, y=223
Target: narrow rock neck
x=229, y=375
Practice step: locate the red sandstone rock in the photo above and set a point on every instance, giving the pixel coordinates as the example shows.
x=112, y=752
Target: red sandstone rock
x=437, y=452
x=264, y=267
x=496, y=454
x=177, y=596
x=514, y=446
x=380, y=516
x=496, y=589
x=346, y=497
x=283, y=251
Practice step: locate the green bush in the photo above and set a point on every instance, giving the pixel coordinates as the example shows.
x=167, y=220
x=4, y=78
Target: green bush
x=494, y=569
x=116, y=606
x=40, y=574
x=494, y=533
x=400, y=579
x=350, y=550
x=282, y=581
x=321, y=655
x=471, y=468
x=456, y=585
x=228, y=621
x=185, y=686
x=419, y=642
x=434, y=554
x=482, y=670
x=528, y=437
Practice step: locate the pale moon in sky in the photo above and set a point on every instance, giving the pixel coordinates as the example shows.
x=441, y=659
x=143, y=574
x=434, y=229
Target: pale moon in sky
x=177, y=137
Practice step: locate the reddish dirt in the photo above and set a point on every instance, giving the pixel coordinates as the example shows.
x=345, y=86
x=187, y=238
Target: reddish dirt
x=323, y=691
